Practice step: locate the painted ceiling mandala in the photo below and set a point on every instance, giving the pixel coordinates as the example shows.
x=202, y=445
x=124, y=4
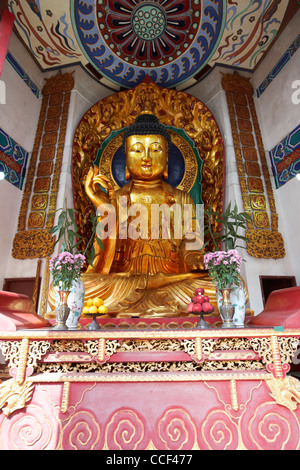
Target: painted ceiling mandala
x=169, y=40
x=174, y=42
x=148, y=34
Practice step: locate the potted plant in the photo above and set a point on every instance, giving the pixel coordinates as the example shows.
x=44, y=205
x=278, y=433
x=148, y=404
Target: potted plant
x=65, y=269
x=67, y=266
x=231, y=221
x=224, y=265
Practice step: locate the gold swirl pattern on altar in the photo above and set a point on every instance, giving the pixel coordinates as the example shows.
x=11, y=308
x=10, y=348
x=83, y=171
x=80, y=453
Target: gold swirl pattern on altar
x=125, y=431
x=177, y=430
x=82, y=432
x=273, y=427
x=219, y=432
x=31, y=431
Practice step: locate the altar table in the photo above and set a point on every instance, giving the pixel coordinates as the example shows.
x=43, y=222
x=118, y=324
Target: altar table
x=166, y=387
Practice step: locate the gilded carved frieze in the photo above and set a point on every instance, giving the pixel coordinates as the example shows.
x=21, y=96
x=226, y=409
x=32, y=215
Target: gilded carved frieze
x=264, y=240
x=206, y=354
x=32, y=239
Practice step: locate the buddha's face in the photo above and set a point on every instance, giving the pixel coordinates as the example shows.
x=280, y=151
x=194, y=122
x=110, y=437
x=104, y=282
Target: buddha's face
x=146, y=156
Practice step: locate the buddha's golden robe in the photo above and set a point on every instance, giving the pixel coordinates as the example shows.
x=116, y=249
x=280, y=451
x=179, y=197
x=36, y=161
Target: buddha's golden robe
x=147, y=276
x=145, y=269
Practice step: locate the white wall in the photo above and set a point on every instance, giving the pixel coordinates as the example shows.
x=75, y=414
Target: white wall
x=10, y=199
x=278, y=116
x=18, y=118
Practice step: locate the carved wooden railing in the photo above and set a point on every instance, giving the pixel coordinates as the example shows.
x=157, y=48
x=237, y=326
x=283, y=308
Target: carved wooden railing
x=49, y=356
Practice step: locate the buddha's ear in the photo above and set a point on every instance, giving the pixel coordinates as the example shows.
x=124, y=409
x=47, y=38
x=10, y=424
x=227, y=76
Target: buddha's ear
x=166, y=173
x=127, y=174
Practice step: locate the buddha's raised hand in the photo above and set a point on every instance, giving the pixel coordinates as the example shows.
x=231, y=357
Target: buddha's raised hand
x=92, y=189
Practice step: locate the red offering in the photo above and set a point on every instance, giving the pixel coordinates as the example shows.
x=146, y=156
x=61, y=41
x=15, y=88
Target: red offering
x=199, y=290
x=207, y=307
x=200, y=305
x=197, y=308
x=198, y=299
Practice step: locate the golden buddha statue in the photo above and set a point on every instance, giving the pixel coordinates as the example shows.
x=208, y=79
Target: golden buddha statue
x=146, y=268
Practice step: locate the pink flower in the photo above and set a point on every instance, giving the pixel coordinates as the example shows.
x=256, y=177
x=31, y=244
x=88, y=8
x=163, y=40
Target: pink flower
x=79, y=256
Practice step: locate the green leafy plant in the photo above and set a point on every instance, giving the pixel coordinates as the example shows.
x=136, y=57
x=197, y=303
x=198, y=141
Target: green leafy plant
x=89, y=250
x=66, y=232
x=232, y=222
x=224, y=266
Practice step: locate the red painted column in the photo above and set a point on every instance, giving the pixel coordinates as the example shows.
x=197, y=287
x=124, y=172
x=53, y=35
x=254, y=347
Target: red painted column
x=6, y=26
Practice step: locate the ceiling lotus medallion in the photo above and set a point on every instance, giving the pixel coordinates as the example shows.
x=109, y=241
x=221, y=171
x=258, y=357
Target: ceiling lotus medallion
x=148, y=34
x=169, y=40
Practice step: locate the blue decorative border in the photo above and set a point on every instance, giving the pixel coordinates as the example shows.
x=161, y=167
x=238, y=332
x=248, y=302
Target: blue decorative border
x=279, y=66
x=280, y=153
x=16, y=153
x=21, y=72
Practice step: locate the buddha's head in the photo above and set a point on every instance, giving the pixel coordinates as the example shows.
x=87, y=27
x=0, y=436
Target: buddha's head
x=146, y=147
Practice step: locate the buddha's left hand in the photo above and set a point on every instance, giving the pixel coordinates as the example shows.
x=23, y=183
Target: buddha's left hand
x=92, y=189
x=105, y=183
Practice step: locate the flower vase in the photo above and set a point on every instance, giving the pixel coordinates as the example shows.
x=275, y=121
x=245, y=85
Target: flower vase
x=75, y=302
x=238, y=300
x=227, y=309
x=62, y=310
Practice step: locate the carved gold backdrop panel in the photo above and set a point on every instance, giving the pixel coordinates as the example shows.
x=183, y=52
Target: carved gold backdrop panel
x=40, y=193
x=264, y=240
x=173, y=108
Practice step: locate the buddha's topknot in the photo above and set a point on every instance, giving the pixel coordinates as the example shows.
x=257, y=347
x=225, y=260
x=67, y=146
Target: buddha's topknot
x=147, y=124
